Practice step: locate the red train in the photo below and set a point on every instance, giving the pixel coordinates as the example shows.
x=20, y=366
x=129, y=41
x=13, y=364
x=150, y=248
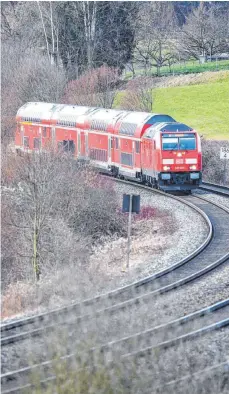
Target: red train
x=152, y=148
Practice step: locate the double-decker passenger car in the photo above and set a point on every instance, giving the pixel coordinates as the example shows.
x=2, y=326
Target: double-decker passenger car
x=152, y=148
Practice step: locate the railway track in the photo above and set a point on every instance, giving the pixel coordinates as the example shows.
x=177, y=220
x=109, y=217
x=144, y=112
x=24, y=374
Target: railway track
x=135, y=346
x=212, y=253
x=215, y=188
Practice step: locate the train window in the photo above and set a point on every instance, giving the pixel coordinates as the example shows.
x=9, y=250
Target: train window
x=137, y=146
x=36, y=143
x=170, y=143
x=126, y=159
x=187, y=143
x=71, y=146
x=44, y=132
x=66, y=146
x=112, y=144
x=116, y=143
x=128, y=128
x=26, y=142
x=98, y=154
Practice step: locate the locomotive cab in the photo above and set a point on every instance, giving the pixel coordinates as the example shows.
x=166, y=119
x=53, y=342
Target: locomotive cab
x=181, y=164
x=174, y=157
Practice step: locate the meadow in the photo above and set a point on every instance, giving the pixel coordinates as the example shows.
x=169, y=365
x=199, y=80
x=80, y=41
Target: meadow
x=205, y=107
x=199, y=100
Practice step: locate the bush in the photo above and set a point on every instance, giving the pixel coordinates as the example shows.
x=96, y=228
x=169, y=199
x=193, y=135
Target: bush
x=213, y=167
x=53, y=209
x=96, y=87
x=138, y=95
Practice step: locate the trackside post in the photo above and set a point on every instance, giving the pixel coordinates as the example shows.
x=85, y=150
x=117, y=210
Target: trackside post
x=130, y=204
x=224, y=155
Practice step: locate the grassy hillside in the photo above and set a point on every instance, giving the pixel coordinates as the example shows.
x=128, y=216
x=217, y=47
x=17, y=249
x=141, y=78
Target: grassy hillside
x=205, y=107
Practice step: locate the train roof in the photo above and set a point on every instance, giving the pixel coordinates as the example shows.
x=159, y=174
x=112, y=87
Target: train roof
x=130, y=123
x=175, y=127
x=166, y=127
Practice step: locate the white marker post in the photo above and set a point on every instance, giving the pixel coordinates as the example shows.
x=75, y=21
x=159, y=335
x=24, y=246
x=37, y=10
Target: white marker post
x=224, y=155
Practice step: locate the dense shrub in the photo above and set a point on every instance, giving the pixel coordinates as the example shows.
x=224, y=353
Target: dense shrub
x=53, y=209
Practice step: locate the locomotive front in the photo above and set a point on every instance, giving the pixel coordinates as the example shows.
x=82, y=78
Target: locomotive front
x=180, y=158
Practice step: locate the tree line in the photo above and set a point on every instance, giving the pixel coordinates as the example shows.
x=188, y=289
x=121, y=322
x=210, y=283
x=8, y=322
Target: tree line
x=83, y=35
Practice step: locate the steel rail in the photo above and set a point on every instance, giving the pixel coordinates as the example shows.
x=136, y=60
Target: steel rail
x=117, y=292
x=123, y=305
x=161, y=290
x=213, y=368
x=215, y=188
x=124, y=344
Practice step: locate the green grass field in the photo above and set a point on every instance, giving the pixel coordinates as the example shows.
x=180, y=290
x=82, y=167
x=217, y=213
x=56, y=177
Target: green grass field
x=205, y=107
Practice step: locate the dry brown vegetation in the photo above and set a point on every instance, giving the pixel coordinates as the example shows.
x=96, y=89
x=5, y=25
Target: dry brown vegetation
x=53, y=210
x=138, y=95
x=62, y=221
x=96, y=87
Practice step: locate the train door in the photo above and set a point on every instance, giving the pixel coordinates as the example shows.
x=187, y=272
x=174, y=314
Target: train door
x=78, y=143
x=22, y=136
x=137, y=145
x=46, y=136
x=86, y=145
x=110, y=141
x=83, y=143
x=113, y=142
x=133, y=152
x=53, y=131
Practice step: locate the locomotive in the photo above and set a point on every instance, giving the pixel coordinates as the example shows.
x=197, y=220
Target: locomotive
x=152, y=148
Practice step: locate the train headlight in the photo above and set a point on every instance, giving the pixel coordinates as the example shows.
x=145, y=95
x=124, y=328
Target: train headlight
x=165, y=176
x=194, y=175
x=192, y=167
x=166, y=168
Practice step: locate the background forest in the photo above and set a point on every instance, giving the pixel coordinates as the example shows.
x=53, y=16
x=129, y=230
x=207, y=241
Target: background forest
x=47, y=44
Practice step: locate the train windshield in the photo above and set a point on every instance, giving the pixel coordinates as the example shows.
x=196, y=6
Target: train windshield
x=178, y=142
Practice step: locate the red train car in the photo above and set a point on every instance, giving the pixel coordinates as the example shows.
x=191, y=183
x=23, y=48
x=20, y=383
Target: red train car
x=153, y=148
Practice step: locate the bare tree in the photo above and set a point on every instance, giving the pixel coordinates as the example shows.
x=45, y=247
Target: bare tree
x=55, y=209
x=205, y=32
x=26, y=77
x=138, y=95
x=44, y=192
x=156, y=37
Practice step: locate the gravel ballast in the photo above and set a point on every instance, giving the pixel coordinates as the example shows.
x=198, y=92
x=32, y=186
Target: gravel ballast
x=214, y=198
x=165, y=238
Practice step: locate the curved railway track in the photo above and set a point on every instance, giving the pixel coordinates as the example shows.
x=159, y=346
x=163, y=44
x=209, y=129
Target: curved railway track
x=163, y=336
x=215, y=188
x=212, y=253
